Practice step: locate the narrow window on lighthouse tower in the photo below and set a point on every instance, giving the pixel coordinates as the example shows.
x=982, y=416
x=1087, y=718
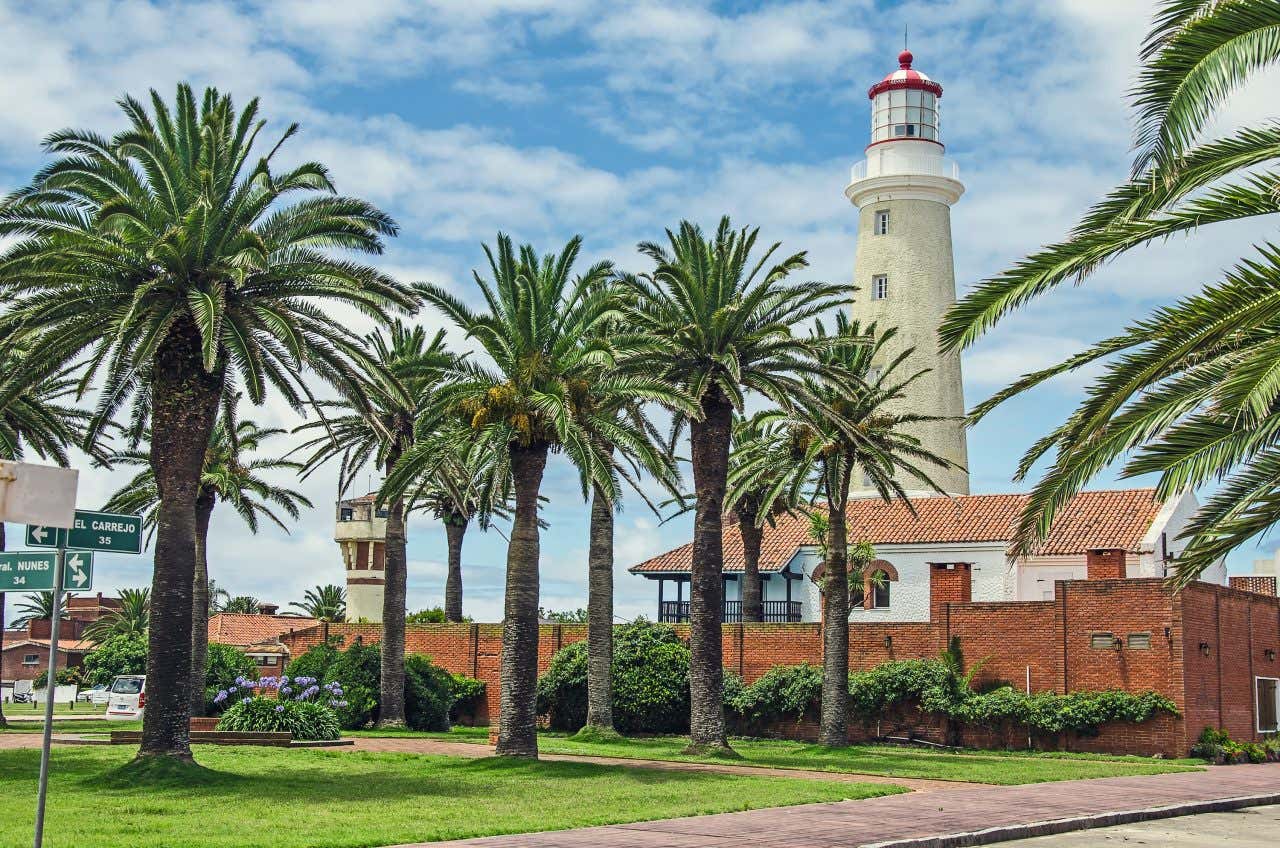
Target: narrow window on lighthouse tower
x=882, y=222
x=879, y=287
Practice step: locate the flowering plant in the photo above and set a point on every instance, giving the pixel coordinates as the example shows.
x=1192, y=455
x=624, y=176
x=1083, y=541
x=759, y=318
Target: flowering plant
x=298, y=689
x=299, y=706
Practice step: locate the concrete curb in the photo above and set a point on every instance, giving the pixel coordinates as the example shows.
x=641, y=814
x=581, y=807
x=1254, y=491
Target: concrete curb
x=1005, y=833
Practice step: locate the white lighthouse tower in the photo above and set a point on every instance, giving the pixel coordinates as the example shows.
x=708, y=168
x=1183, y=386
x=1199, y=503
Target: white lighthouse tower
x=904, y=267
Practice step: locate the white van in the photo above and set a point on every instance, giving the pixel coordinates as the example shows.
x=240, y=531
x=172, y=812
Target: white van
x=128, y=697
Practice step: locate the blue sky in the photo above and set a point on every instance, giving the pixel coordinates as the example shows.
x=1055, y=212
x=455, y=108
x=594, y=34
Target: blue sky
x=547, y=118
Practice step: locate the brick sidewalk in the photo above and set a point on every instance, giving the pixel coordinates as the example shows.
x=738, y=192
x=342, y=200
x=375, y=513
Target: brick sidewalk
x=877, y=821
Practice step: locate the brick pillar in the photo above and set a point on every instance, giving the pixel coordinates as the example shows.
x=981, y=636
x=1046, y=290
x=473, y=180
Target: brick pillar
x=949, y=583
x=1105, y=564
x=1259, y=584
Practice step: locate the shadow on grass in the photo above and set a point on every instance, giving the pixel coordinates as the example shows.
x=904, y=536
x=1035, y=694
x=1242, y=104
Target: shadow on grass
x=163, y=772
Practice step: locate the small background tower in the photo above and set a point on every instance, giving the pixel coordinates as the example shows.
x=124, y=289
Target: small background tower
x=361, y=534
x=904, y=266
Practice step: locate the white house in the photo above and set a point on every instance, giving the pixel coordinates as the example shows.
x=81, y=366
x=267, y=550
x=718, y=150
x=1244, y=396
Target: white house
x=972, y=529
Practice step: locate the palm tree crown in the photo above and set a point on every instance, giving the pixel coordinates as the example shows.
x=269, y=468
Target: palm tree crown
x=1190, y=393
x=325, y=603
x=132, y=619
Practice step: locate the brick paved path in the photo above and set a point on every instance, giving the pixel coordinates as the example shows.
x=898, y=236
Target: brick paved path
x=848, y=824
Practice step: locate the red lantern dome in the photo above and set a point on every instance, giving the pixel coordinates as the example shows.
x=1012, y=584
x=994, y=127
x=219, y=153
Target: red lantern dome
x=904, y=105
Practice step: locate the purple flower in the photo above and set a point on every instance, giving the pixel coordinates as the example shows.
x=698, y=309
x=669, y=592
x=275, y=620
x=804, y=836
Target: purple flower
x=285, y=690
x=220, y=697
x=231, y=690
x=284, y=680
x=245, y=700
x=280, y=708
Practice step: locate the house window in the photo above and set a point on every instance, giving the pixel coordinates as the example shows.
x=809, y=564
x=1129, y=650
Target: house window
x=265, y=660
x=879, y=590
x=882, y=222
x=1139, y=641
x=879, y=287
x=30, y=659
x=1268, y=704
x=857, y=596
x=346, y=514
x=1102, y=641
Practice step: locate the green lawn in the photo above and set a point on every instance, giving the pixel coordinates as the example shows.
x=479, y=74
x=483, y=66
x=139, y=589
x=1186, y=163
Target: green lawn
x=284, y=798
x=80, y=708
x=93, y=725
x=1002, y=767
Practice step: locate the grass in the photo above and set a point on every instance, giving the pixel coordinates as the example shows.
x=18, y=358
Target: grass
x=93, y=725
x=331, y=799
x=997, y=767
x=23, y=710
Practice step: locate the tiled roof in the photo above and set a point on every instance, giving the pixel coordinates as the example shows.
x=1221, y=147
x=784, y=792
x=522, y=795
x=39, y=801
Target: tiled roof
x=71, y=645
x=242, y=629
x=1106, y=519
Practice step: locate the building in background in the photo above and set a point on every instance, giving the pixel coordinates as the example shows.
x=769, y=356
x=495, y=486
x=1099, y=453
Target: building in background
x=904, y=268
x=361, y=534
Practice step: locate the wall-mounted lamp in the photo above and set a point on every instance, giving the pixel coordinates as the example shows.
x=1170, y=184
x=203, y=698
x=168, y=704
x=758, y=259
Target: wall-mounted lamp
x=1168, y=635
x=1118, y=643
x=1270, y=654
x=888, y=643
x=1204, y=648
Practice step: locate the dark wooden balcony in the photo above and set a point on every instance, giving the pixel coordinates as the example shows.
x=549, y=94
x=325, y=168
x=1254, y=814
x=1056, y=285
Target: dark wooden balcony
x=782, y=612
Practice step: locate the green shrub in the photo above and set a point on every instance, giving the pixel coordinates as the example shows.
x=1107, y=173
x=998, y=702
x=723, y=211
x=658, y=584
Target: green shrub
x=1217, y=746
x=783, y=692
x=224, y=664
x=468, y=696
x=428, y=694
x=122, y=654
x=304, y=720
x=650, y=682
x=63, y=677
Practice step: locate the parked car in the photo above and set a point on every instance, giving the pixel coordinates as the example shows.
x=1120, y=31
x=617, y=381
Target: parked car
x=98, y=695
x=127, y=698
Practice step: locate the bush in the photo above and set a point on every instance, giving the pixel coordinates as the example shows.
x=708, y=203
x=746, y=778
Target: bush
x=650, y=682
x=224, y=664
x=303, y=719
x=428, y=694
x=63, y=677
x=122, y=654
x=468, y=696
x=783, y=692
x=1217, y=746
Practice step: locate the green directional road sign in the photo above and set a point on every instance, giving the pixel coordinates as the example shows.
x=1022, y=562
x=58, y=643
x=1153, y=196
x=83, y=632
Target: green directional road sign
x=93, y=531
x=32, y=571
x=27, y=571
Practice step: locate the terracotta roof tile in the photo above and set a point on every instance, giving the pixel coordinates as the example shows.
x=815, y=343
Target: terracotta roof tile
x=1104, y=519
x=242, y=629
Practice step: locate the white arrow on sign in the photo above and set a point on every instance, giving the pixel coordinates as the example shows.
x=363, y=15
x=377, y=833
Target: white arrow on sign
x=37, y=533
x=77, y=575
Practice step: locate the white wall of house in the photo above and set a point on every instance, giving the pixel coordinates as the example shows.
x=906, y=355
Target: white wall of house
x=909, y=595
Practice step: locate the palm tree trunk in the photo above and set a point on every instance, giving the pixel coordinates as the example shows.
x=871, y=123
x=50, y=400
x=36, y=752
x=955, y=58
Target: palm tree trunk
x=752, y=603
x=600, y=617
x=455, y=528
x=396, y=567
x=709, y=447
x=184, y=406
x=200, y=601
x=517, y=718
x=834, y=731
x=3, y=721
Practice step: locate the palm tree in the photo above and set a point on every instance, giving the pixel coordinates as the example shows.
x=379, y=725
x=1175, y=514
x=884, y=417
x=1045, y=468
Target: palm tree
x=37, y=606
x=324, y=603
x=232, y=476
x=217, y=596
x=132, y=619
x=242, y=604
x=713, y=324
x=753, y=506
x=537, y=329
x=1189, y=392
x=837, y=432
x=35, y=420
x=164, y=262
x=379, y=427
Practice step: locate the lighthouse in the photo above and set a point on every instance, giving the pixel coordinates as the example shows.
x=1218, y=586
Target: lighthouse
x=361, y=534
x=904, y=268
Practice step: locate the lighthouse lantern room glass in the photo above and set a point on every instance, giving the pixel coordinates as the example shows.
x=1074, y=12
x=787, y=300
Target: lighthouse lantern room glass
x=904, y=105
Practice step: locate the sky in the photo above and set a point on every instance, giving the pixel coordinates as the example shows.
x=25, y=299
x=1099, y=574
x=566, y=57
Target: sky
x=613, y=120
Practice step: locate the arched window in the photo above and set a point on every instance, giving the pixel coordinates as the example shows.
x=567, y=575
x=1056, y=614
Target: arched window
x=879, y=585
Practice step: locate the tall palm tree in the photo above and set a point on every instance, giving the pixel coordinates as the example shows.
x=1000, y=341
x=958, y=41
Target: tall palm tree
x=35, y=421
x=132, y=619
x=1190, y=392
x=164, y=260
x=325, y=603
x=231, y=475
x=533, y=397
x=714, y=323
x=855, y=429
x=37, y=606
x=467, y=483
x=753, y=506
x=380, y=427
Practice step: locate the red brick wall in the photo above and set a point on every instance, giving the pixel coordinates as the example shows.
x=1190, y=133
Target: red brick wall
x=1054, y=639
x=11, y=667
x=1105, y=564
x=1262, y=584
x=949, y=583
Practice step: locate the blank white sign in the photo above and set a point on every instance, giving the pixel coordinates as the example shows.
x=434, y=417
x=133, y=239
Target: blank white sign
x=38, y=494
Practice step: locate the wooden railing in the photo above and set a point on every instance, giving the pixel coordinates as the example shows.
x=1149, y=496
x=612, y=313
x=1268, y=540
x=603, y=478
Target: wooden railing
x=677, y=612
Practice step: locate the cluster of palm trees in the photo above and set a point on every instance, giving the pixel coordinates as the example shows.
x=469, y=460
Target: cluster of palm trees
x=173, y=269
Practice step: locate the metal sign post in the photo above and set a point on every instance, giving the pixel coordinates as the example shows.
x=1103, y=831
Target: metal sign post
x=50, y=687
